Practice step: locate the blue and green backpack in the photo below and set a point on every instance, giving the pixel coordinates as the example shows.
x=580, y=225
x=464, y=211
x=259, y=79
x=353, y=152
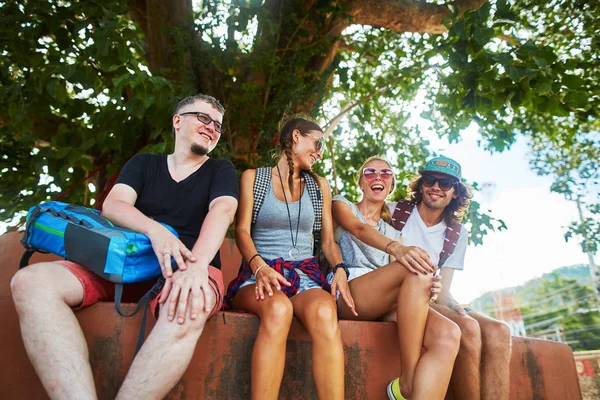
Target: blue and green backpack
x=81, y=235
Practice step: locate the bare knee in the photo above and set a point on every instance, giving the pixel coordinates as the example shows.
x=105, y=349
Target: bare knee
x=496, y=336
x=322, y=320
x=190, y=328
x=419, y=282
x=48, y=281
x=277, y=315
x=470, y=335
x=25, y=284
x=443, y=335
x=448, y=336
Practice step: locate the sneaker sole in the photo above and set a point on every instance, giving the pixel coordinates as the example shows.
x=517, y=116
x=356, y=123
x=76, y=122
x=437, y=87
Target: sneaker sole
x=390, y=393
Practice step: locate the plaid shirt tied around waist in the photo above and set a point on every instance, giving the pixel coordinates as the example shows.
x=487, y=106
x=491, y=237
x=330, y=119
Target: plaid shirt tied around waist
x=309, y=266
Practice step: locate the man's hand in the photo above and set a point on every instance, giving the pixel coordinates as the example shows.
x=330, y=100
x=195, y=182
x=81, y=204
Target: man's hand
x=436, y=287
x=448, y=301
x=340, y=283
x=177, y=290
x=166, y=245
x=414, y=258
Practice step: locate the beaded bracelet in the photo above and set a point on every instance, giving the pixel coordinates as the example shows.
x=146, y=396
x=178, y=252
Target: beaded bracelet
x=344, y=266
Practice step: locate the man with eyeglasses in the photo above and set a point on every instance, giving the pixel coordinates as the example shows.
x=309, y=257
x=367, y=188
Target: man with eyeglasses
x=437, y=202
x=193, y=193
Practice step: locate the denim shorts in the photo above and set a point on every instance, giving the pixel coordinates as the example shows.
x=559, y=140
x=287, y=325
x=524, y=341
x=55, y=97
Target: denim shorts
x=355, y=272
x=305, y=282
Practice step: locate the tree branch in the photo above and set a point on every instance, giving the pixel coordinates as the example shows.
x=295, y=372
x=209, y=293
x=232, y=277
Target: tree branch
x=510, y=40
x=334, y=122
x=407, y=15
x=159, y=19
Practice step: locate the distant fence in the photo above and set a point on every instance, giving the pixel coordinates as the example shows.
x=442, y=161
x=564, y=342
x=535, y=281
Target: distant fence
x=588, y=370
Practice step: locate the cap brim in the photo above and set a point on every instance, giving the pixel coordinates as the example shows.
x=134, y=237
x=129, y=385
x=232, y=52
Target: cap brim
x=439, y=172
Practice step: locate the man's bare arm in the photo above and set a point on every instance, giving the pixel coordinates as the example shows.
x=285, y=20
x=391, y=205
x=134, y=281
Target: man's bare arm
x=119, y=208
x=220, y=215
x=445, y=297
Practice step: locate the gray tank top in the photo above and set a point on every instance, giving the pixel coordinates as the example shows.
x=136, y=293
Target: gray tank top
x=271, y=234
x=357, y=253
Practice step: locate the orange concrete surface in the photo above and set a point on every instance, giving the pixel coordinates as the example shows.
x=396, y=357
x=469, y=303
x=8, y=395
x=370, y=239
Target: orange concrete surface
x=220, y=367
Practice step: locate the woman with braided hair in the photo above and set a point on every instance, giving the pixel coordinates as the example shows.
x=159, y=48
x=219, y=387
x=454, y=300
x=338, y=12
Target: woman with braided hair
x=284, y=219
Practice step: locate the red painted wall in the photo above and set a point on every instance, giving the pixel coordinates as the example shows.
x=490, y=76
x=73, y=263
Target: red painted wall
x=220, y=365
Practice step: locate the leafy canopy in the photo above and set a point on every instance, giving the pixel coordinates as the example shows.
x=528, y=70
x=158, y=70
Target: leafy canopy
x=86, y=84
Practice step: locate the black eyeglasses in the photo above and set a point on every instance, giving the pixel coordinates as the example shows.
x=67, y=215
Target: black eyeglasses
x=205, y=119
x=444, y=183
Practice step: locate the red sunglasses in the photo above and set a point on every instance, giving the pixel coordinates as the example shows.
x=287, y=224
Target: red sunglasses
x=385, y=173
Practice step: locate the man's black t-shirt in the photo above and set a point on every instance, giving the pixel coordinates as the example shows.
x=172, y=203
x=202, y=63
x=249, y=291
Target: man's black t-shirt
x=182, y=205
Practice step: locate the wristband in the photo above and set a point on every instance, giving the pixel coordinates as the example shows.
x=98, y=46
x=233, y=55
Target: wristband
x=344, y=266
x=252, y=258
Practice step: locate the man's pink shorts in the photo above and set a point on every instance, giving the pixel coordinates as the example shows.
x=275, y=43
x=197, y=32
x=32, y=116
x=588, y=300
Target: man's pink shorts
x=96, y=289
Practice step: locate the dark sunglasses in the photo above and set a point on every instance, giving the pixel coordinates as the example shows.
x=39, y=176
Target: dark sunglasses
x=205, y=119
x=443, y=183
x=384, y=174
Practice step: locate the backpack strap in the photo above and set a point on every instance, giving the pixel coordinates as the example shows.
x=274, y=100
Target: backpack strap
x=450, y=239
x=316, y=197
x=262, y=180
x=401, y=214
x=29, y=249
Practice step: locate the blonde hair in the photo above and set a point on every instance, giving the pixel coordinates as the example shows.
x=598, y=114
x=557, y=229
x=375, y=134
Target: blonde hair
x=385, y=213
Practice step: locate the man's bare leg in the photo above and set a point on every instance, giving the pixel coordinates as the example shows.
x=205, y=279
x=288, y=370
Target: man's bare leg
x=495, y=357
x=43, y=295
x=465, y=383
x=165, y=355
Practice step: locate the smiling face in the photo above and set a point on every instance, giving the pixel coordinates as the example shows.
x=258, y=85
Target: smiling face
x=200, y=138
x=307, y=148
x=377, y=182
x=434, y=197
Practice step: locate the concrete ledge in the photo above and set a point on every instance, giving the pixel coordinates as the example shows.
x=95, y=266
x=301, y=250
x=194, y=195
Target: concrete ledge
x=220, y=367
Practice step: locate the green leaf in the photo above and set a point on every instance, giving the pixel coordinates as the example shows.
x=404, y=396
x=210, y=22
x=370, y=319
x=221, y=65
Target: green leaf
x=572, y=81
x=87, y=144
x=578, y=99
x=51, y=88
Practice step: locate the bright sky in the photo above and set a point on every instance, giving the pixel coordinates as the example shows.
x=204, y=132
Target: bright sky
x=536, y=218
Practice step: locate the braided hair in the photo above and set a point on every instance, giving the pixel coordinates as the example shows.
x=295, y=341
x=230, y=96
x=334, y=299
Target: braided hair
x=286, y=142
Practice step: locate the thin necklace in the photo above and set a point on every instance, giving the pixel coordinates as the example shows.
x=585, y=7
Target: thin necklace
x=294, y=251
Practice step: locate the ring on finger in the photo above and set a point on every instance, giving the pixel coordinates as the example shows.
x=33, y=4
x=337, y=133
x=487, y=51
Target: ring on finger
x=412, y=260
x=166, y=252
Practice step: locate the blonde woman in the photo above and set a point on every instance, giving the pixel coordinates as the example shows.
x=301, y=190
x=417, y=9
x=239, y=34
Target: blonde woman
x=390, y=281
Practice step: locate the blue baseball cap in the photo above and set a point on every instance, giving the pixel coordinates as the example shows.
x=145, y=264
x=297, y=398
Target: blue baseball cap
x=443, y=165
